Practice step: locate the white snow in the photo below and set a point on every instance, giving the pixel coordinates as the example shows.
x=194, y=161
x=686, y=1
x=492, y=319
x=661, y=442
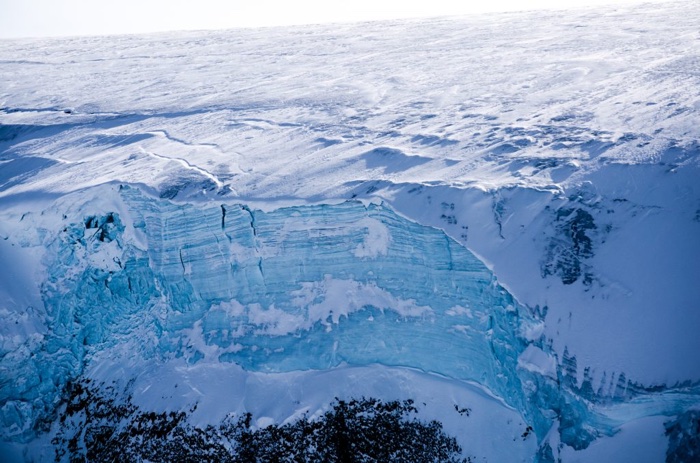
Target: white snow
x=333, y=298
x=223, y=389
x=536, y=360
x=640, y=441
x=377, y=240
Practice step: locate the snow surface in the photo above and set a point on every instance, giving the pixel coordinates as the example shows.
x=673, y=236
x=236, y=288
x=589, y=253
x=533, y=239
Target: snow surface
x=522, y=187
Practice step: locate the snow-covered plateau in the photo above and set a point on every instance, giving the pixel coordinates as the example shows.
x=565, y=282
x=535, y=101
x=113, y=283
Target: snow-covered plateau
x=495, y=216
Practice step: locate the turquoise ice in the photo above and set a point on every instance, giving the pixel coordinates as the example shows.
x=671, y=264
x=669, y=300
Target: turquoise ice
x=295, y=288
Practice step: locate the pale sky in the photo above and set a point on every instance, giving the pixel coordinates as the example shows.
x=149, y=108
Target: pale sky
x=42, y=18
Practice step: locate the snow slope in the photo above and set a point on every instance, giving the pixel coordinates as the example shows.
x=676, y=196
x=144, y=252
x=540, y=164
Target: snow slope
x=508, y=201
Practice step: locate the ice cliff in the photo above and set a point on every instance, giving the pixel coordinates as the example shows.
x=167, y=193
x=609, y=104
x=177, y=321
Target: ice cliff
x=289, y=289
x=295, y=288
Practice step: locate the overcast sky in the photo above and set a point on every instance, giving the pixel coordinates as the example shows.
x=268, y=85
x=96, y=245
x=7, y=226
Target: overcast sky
x=41, y=18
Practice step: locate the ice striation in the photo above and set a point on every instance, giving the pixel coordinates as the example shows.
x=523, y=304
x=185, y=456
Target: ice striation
x=295, y=288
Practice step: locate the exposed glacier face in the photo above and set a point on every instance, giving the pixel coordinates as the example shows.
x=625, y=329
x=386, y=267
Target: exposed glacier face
x=296, y=288
x=291, y=289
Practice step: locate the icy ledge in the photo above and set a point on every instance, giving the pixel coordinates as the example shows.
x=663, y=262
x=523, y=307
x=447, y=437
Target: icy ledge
x=132, y=279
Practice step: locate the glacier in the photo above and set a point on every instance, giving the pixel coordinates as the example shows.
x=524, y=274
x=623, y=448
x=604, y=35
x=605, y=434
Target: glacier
x=297, y=288
x=497, y=213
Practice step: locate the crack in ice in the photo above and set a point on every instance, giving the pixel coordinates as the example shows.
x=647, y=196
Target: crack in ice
x=186, y=164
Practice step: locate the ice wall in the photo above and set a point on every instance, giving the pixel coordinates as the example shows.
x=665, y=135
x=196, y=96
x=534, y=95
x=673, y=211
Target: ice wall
x=296, y=288
x=138, y=278
x=312, y=287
